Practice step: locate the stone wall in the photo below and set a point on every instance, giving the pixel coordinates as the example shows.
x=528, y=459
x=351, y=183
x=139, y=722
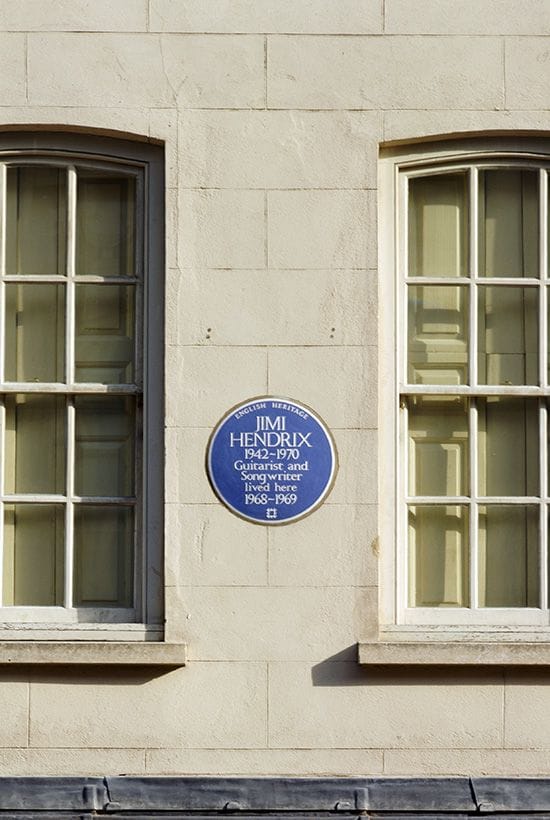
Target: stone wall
x=272, y=112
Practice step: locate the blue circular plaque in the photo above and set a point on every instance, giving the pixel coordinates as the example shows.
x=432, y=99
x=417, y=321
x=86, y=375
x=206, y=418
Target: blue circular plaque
x=271, y=460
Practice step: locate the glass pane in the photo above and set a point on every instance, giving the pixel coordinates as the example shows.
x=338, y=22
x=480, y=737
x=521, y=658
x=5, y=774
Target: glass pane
x=104, y=334
x=438, y=335
x=105, y=225
x=508, y=215
x=438, y=222
x=35, y=333
x=508, y=441
x=508, y=335
x=104, y=556
x=33, y=554
x=36, y=220
x=104, y=446
x=438, y=556
x=508, y=556
x=438, y=441
x=35, y=444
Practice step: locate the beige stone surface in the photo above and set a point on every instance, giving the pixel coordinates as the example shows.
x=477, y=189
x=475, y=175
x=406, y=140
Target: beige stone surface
x=123, y=121
x=301, y=373
x=334, y=546
x=290, y=762
x=185, y=473
x=279, y=149
x=527, y=72
x=384, y=72
x=478, y=652
x=140, y=69
x=163, y=126
x=466, y=17
x=71, y=762
x=14, y=711
x=272, y=307
x=321, y=229
x=269, y=623
x=205, y=382
x=414, y=125
x=12, y=69
x=356, y=482
x=221, y=229
x=335, y=704
x=171, y=239
x=73, y=15
x=527, y=703
x=185, y=708
x=305, y=16
x=116, y=652
x=206, y=545
x=490, y=762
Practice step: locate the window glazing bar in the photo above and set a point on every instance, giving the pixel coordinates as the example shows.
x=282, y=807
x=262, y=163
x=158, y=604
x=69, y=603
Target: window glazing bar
x=481, y=391
x=69, y=376
x=543, y=381
x=515, y=281
x=70, y=389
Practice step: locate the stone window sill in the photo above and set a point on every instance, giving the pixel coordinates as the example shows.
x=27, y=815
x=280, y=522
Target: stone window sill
x=93, y=653
x=454, y=653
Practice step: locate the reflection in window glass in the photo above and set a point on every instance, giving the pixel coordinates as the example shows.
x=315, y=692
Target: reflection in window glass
x=508, y=556
x=438, y=340
x=33, y=561
x=105, y=337
x=36, y=220
x=438, y=221
x=105, y=234
x=438, y=555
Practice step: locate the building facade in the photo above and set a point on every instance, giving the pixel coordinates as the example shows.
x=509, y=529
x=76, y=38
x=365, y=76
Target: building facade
x=337, y=203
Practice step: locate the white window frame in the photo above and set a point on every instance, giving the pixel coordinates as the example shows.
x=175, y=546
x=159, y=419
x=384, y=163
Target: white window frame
x=398, y=621
x=145, y=162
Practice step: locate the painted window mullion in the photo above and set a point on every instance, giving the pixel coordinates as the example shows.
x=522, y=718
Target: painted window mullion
x=403, y=585
x=473, y=522
x=543, y=524
x=473, y=227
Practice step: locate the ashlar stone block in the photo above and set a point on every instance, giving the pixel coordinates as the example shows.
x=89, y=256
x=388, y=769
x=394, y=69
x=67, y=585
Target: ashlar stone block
x=273, y=307
x=303, y=17
x=73, y=15
x=466, y=17
x=221, y=229
x=269, y=623
x=206, y=545
x=336, y=704
x=321, y=229
x=140, y=69
x=175, y=709
x=384, y=72
x=345, y=551
x=290, y=762
x=279, y=149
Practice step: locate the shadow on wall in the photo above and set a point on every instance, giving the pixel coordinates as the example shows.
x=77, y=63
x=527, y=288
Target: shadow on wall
x=343, y=669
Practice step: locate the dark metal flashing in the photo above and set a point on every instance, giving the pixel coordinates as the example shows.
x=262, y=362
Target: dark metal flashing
x=259, y=798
